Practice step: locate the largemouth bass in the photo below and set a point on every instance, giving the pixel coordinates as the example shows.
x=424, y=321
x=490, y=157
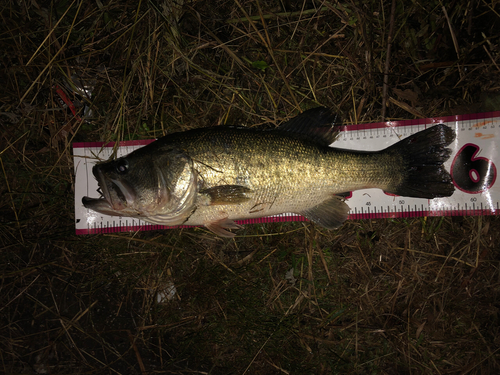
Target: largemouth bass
x=214, y=176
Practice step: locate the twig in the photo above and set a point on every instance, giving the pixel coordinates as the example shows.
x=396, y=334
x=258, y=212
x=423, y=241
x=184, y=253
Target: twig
x=37, y=80
x=137, y=354
x=12, y=201
x=453, y=37
x=455, y=42
x=491, y=57
x=387, y=59
x=50, y=33
x=276, y=15
x=406, y=107
x=267, y=43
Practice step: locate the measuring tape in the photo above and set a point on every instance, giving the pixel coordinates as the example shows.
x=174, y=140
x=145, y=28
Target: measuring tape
x=472, y=164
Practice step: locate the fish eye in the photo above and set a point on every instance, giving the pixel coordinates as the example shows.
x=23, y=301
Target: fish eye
x=122, y=166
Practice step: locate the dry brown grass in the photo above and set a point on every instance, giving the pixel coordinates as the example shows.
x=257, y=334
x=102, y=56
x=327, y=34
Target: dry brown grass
x=383, y=296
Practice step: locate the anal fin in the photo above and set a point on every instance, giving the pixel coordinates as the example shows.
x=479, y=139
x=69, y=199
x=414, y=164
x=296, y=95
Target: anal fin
x=329, y=214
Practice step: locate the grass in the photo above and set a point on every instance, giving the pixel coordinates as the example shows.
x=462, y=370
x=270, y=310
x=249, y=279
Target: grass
x=408, y=296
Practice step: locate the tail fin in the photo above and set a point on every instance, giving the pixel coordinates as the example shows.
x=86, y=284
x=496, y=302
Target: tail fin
x=423, y=155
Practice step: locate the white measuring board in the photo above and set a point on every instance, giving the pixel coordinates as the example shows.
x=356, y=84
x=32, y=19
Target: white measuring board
x=473, y=166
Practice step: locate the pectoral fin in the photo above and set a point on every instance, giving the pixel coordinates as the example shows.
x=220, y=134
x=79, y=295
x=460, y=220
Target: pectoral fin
x=219, y=227
x=227, y=194
x=330, y=213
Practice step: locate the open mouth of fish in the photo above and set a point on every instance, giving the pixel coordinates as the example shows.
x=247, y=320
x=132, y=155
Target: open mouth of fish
x=115, y=196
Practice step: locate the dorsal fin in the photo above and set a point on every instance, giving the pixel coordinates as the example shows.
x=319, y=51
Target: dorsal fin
x=318, y=124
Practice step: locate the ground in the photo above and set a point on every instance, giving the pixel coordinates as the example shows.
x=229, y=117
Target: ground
x=393, y=296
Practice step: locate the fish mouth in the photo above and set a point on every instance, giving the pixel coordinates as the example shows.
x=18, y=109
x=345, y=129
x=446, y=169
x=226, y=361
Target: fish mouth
x=116, y=196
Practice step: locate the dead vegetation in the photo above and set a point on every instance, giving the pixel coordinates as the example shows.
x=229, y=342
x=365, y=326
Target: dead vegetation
x=405, y=296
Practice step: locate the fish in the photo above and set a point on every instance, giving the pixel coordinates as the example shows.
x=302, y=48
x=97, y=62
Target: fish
x=215, y=176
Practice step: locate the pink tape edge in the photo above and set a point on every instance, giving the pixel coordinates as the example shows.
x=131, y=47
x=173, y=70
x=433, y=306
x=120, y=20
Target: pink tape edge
x=263, y=220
